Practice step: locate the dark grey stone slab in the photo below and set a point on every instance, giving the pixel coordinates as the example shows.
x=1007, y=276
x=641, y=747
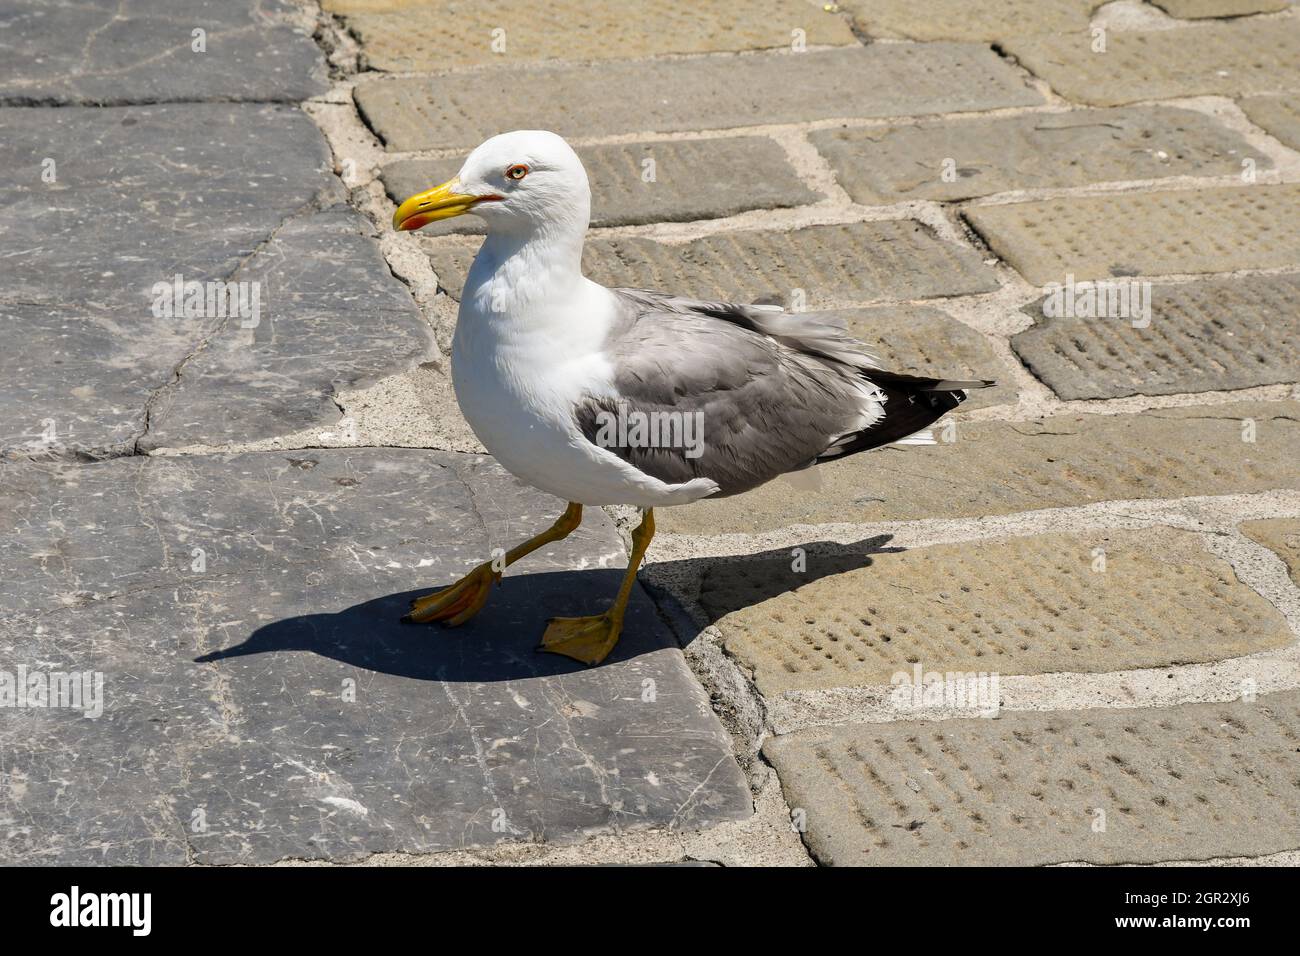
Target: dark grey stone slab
x=112, y=52
x=691, y=179
x=209, y=192
x=142, y=193
x=227, y=733
x=332, y=316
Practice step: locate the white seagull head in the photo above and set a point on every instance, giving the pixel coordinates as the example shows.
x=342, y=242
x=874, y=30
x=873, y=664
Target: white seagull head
x=520, y=182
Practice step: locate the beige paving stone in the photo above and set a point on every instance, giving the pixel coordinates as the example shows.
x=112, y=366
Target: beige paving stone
x=986, y=156
x=1196, y=9
x=1008, y=606
x=1192, y=782
x=1279, y=115
x=1005, y=467
x=834, y=265
x=1146, y=233
x=427, y=36
x=692, y=179
x=1207, y=335
x=1229, y=59
x=1281, y=535
x=702, y=93
x=982, y=20
x=921, y=340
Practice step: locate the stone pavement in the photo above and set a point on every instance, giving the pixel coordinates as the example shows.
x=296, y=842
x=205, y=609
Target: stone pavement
x=1066, y=632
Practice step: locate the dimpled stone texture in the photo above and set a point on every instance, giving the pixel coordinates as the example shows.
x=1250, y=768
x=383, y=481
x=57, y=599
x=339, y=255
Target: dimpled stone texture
x=1036, y=151
x=1202, y=336
x=1005, y=467
x=243, y=610
x=115, y=52
x=919, y=340
x=699, y=93
x=1279, y=115
x=1192, y=782
x=1012, y=606
x=1227, y=59
x=637, y=183
x=833, y=265
x=400, y=35
x=1156, y=233
x=980, y=20
x=1280, y=535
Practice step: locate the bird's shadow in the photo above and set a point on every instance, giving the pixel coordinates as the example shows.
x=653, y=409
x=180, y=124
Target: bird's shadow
x=500, y=643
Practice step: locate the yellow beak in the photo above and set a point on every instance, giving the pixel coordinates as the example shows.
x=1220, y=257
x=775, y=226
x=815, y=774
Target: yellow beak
x=440, y=202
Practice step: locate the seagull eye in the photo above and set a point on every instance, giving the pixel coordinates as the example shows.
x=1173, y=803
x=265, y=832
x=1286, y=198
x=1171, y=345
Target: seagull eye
x=517, y=171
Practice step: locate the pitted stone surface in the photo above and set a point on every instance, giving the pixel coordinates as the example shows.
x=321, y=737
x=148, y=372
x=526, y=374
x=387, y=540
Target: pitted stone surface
x=1034, y=151
x=1193, y=782
x=1281, y=535
x=691, y=94
x=1005, y=467
x=638, y=183
x=1156, y=233
x=98, y=363
x=920, y=340
x=833, y=265
x=111, y=52
x=1228, y=59
x=1198, y=9
x=1279, y=115
x=982, y=20
x=243, y=611
x=1212, y=334
x=1082, y=603
x=398, y=35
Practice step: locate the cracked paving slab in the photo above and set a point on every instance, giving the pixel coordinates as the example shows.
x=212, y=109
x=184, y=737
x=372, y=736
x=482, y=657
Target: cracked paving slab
x=136, y=196
x=113, y=52
x=260, y=699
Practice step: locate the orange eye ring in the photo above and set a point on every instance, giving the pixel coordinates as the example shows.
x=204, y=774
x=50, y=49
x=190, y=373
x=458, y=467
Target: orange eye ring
x=516, y=172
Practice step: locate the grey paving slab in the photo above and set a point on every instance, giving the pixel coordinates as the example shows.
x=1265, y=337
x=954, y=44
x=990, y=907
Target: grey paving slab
x=1194, y=782
x=436, y=34
x=634, y=183
x=716, y=92
x=266, y=704
x=1227, y=59
x=332, y=317
x=111, y=52
x=1206, y=335
x=832, y=265
x=136, y=196
x=1171, y=232
x=1279, y=115
x=997, y=467
x=962, y=159
x=983, y=20
x=99, y=204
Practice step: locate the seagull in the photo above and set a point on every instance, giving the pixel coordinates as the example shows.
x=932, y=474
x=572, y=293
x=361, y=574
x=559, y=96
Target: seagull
x=603, y=396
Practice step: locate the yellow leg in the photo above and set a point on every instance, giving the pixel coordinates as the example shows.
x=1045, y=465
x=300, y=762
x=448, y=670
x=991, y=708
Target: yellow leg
x=590, y=639
x=461, y=601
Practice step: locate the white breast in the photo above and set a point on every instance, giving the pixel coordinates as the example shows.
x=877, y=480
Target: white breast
x=517, y=379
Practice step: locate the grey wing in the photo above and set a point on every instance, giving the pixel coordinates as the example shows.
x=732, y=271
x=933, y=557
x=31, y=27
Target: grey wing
x=711, y=390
